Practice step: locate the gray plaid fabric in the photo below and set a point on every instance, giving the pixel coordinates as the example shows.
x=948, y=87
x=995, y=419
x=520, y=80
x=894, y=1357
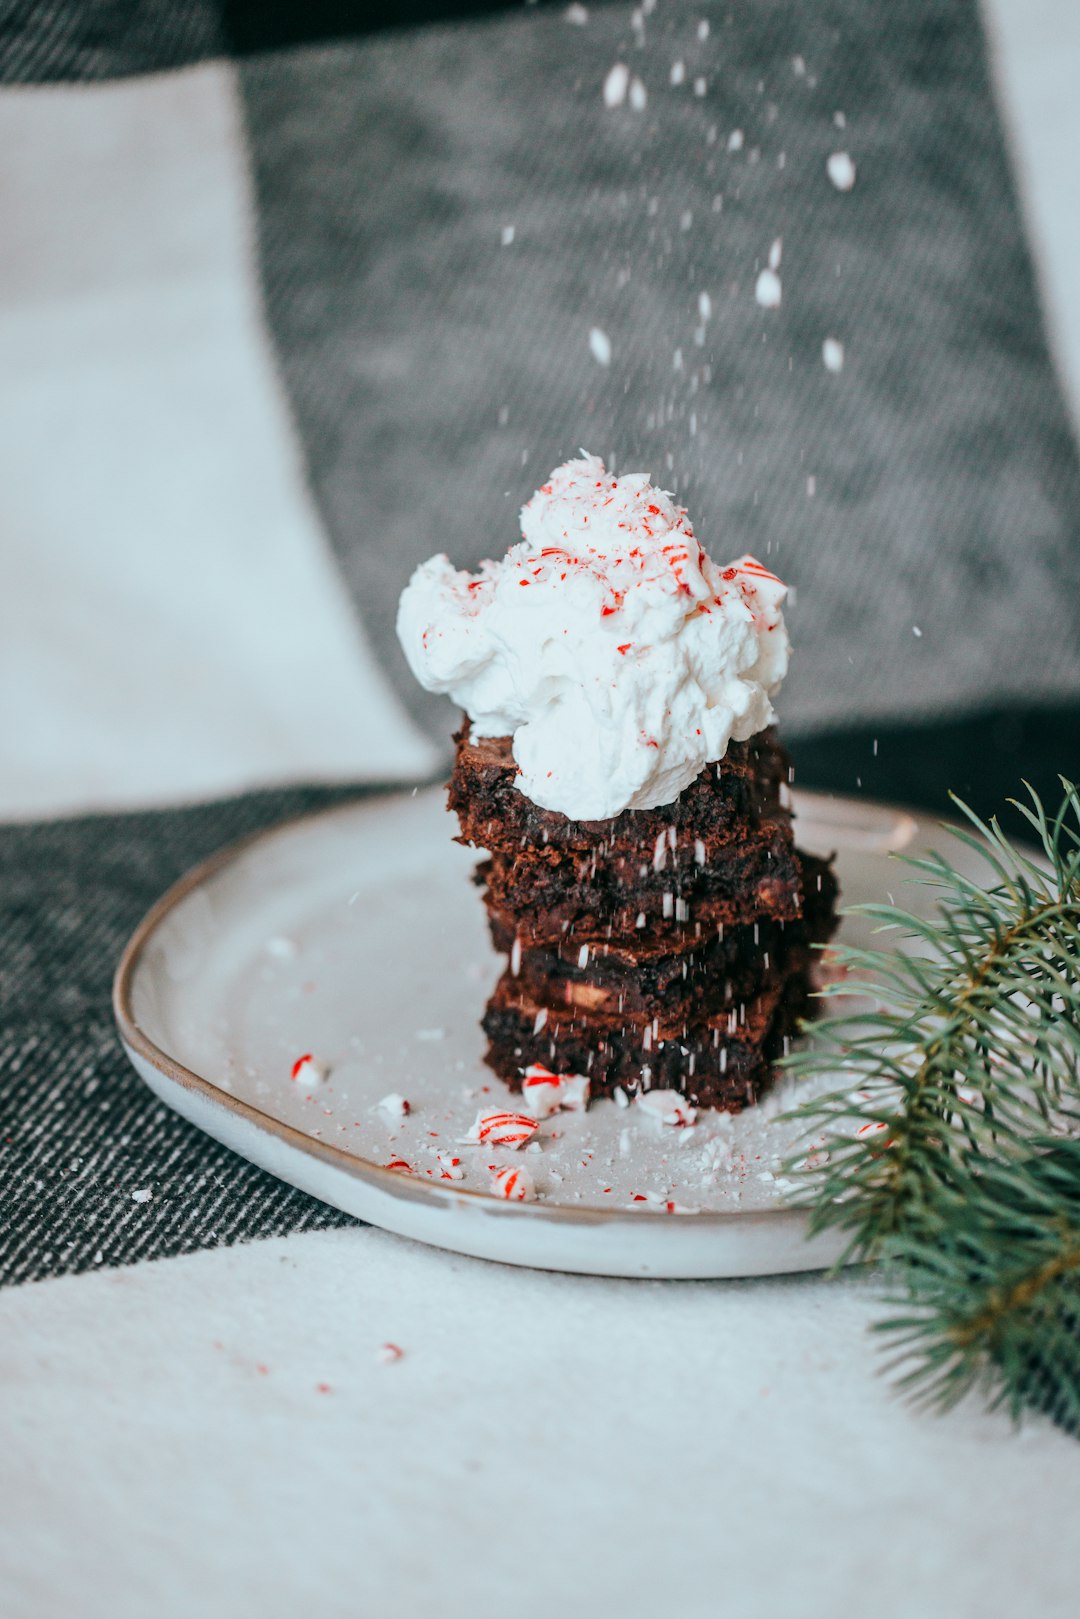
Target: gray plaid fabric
x=45, y=41
x=435, y=373
x=79, y=1131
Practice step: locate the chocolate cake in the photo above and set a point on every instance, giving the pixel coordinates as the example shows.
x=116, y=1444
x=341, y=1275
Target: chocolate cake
x=629, y=962
x=621, y=773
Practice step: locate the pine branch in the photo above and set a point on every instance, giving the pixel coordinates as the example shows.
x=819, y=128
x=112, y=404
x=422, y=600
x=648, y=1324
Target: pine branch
x=952, y=1154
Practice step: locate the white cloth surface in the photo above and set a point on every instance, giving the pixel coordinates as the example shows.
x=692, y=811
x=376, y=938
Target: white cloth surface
x=171, y=623
x=548, y=1444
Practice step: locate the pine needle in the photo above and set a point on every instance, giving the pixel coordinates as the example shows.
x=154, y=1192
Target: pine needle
x=952, y=1155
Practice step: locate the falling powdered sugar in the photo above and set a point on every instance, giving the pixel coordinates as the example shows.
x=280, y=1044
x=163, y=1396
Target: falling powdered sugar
x=600, y=346
x=841, y=171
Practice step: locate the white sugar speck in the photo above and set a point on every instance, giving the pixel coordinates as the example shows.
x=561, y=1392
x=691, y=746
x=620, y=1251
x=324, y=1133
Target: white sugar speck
x=841, y=171
x=704, y=305
x=767, y=290
x=775, y=251
x=600, y=344
x=735, y=140
x=506, y=235
x=578, y=15
x=798, y=66
x=143, y=1195
x=686, y=219
x=832, y=352
x=616, y=85
x=915, y=630
x=700, y=86
x=281, y=947
x=639, y=96
x=678, y=72
x=839, y=120
x=703, y=29
x=811, y=485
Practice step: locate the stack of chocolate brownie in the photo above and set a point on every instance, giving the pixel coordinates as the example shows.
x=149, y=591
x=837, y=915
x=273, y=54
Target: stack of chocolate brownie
x=663, y=949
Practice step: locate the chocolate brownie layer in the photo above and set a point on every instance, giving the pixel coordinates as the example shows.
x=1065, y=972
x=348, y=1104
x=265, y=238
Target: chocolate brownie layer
x=676, y=990
x=606, y=981
x=724, y=803
x=585, y=900
x=608, y=1013
x=723, y=1063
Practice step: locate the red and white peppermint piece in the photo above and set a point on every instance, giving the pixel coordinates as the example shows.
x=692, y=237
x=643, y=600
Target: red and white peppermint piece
x=394, y=1104
x=450, y=1166
x=667, y=1107
x=388, y=1353
x=545, y=1093
x=501, y=1130
x=515, y=1184
x=308, y=1071
x=400, y=1165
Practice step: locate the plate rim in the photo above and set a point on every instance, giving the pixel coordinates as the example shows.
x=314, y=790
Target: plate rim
x=140, y=1044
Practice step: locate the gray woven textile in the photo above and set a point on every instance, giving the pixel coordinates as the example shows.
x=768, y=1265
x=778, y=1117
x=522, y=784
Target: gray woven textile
x=435, y=372
x=79, y=1131
x=48, y=41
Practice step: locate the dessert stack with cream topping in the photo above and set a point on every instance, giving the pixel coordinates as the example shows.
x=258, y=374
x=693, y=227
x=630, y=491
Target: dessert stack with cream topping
x=618, y=765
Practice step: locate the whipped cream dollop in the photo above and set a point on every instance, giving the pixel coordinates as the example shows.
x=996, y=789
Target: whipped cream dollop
x=619, y=657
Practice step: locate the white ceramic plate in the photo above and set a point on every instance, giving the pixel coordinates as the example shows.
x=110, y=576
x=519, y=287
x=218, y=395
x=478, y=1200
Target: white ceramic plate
x=356, y=935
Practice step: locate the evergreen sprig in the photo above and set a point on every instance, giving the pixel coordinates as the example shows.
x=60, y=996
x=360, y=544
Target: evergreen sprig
x=952, y=1154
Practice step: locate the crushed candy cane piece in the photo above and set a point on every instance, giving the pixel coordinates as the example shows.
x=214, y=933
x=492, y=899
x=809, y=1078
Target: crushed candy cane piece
x=388, y=1353
x=450, y=1166
x=545, y=1093
x=395, y=1105
x=515, y=1184
x=667, y=1107
x=501, y=1130
x=308, y=1070
x=400, y=1165
x=841, y=170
